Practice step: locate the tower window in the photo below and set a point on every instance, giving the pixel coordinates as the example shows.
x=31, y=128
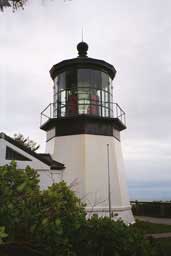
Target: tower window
x=11, y=154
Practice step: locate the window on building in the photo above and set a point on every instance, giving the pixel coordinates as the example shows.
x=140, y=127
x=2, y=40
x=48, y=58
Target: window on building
x=11, y=154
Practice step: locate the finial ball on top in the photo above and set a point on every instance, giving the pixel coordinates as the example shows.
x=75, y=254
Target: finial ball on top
x=82, y=48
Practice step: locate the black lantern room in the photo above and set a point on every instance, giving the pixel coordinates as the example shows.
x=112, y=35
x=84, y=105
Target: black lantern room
x=83, y=97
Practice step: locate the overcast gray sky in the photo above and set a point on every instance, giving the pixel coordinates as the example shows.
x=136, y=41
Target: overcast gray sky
x=134, y=36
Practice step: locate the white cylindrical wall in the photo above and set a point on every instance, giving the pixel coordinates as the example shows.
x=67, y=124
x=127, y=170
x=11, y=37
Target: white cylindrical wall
x=85, y=158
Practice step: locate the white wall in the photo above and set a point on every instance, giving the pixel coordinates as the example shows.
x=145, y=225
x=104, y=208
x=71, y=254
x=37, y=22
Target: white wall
x=97, y=170
x=70, y=151
x=2, y=151
x=47, y=176
x=85, y=158
x=34, y=163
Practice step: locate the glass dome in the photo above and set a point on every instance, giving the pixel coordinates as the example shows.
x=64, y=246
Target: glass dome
x=80, y=91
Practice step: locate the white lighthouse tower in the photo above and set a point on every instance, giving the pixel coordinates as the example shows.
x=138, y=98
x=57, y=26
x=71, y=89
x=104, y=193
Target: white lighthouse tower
x=83, y=132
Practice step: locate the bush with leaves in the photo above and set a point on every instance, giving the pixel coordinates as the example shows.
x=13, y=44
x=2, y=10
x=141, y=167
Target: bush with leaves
x=15, y=4
x=53, y=222
x=103, y=236
x=19, y=195
x=48, y=220
x=62, y=215
x=3, y=234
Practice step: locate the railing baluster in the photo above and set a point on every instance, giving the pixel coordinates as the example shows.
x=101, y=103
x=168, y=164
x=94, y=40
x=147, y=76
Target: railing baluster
x=84, y=107
x=116, y=108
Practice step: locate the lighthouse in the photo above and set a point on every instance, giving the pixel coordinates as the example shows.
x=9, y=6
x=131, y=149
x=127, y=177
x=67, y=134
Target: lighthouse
x=83, y=127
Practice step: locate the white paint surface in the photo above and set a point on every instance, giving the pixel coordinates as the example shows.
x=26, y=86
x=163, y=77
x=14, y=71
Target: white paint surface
x=85, y=158
x=47, y=176
x=34, y=163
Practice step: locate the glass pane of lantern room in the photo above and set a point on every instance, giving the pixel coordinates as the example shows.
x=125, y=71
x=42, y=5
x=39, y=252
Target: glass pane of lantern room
x=105, y=82
x=61, y=82
x=89, y=82
x=59, y=87
x=62, y=102
x=71, y=92
x=96, y=83
x=111, y=97
x=71, y=79
x=105, y=95
x=84, y=88
x=55, y=95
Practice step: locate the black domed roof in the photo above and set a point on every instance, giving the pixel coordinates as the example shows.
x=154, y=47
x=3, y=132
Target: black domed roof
x=82, y=61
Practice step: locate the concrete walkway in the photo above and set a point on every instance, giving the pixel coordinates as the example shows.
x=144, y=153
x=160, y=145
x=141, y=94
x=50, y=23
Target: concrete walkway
x=160, y=235
x=166, y=221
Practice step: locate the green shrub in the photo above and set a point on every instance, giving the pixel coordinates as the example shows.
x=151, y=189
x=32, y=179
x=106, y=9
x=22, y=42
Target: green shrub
x=103, y=236
x=54, y=221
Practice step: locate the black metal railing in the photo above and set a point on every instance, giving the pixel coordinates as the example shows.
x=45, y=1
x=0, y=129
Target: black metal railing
x=83, y=107
x=158, y=209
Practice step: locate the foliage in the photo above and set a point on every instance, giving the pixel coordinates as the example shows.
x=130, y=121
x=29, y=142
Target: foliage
x=26, y=142
x=164, y=246
x=54, y=222
x=19, y=191
x=103, y=236
x=2, y=234
x=152, y=228
x=47, y=220
x=61, y=216
x=15, y=4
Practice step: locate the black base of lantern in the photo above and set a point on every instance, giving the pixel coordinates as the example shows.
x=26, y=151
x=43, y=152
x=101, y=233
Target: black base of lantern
x=83, y=124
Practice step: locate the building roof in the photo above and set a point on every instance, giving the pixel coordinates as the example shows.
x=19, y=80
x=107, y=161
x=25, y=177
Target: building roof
x=43, y=157
x=82, y=61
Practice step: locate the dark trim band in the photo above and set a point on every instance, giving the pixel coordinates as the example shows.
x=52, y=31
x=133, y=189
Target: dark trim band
x=84, y=124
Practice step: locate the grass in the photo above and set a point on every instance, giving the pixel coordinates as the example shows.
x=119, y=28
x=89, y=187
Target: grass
x=152, y=228
x=163, y=244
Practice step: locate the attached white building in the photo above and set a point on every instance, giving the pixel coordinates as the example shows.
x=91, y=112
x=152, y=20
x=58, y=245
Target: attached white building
x=48, y=169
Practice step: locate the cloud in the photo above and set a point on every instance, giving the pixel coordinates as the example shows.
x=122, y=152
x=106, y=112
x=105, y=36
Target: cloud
x=132, y=35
